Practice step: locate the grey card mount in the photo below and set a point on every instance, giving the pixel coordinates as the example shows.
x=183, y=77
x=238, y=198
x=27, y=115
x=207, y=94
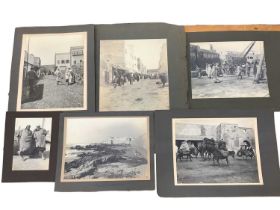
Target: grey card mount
x=216, y=153
x=105, y=152
x=140, y=67
x=52, y=70
x=233, y=69
x=30, y=146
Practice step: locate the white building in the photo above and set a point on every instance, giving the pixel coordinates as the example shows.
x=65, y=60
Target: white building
x=75, y=57
x=62, y=60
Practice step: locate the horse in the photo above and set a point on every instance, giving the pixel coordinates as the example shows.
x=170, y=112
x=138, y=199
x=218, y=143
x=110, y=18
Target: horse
x=220, y=152
x=231, y=153
x=180, y=155
x=194, y=151
x=207, y=148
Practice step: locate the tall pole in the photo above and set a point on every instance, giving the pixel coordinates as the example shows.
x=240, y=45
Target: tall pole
x=43, y=123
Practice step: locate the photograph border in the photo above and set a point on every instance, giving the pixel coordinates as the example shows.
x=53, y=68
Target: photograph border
x=247, y=97
x=102, y=185
x=271, y=40
x=99, y=89
x=257, y=156
x=9, y=175
x=267, y=147
x=176, y=51
x=89, y=70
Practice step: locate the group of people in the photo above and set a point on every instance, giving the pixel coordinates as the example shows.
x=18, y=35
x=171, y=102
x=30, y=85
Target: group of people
x=69, y=76
x=32, y=143
x=245, y=69
x=121, y=77
x=212, y=71
x=216, y=70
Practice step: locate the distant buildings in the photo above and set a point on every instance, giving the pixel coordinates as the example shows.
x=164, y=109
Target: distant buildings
x=232, y=134
x=75, y=57
x=31, y=61
x=121, y=55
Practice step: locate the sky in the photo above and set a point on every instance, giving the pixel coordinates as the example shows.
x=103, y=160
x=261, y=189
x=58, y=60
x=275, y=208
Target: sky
x=237, y=46
x=46, y=45
x=89, y=130
x=242, y=122
x=23, y=122
x=147, y=49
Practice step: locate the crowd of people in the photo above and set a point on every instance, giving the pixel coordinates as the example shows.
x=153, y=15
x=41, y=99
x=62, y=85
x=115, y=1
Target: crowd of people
x=120, y=77
x=216, y=70
x=69, y=76
x=31, y=143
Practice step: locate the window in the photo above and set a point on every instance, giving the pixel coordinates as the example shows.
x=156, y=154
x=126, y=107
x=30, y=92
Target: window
x=58, y=61
x=67, y=61
x=74, y=62
x=62, y=61
x=81, y=61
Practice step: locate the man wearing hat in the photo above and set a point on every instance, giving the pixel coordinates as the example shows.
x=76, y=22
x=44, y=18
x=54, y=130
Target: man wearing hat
x=40, y=140
x=31, y=78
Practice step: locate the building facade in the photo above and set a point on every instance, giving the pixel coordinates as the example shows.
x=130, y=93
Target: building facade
x=232, y=134
x=62, y=61
x=75, y=57
x=30, y=61
x=163, y=61
x=121, y=55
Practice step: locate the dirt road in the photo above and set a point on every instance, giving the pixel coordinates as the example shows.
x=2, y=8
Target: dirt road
x=142, y=95
x=199, y=171
x=229, y=87
x=50, y=95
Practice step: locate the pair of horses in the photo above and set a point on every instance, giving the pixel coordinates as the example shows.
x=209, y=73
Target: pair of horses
x=209, y=148
x=215, y=149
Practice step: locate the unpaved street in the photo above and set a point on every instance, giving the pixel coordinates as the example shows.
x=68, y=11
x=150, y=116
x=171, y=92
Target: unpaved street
x=142, y=95
x=229, y=87
x=50, y=95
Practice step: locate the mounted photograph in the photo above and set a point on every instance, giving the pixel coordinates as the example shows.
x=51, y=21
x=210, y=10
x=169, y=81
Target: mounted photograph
x=31, y=144
x=216, y=151
x=105, y=149
x=53, y=72
x=231, y=69
x=133, y=75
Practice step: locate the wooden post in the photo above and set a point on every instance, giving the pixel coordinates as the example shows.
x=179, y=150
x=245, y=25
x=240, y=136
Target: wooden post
x=259, y=69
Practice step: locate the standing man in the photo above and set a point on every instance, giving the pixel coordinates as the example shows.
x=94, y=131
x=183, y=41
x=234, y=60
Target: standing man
x=26, y=142
x=198, y=71
x=58, y=76
x=31, y=78
x=239, y=72
x=215, y=73
x=40, y=140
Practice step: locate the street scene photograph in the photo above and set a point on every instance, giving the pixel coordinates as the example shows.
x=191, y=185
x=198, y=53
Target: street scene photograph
x=52, y=72
x=216, y=151
x=106, y=149
x=133, y=75
x=31, y=144
x=232, y=69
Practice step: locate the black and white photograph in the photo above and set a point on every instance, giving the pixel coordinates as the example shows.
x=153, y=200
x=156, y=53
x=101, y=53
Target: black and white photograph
x=31, y=144
x=105, y=149
x=53, y=72
x=133, y=75
x=216, y=151
x=231, y=69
